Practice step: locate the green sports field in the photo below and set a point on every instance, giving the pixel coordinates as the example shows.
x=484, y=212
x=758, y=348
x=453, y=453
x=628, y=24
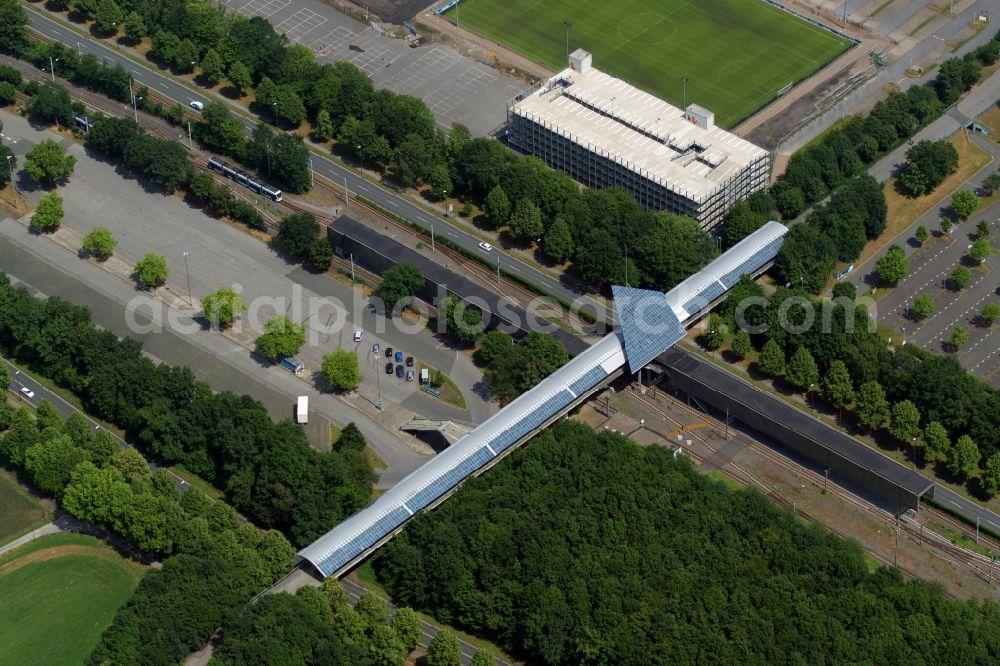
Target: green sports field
x=736, y=54
x=57, y=596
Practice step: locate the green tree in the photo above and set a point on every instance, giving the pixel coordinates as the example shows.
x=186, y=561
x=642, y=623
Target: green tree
x=52, y=104
x=904, y=423
x=334, y=593
x=444, y=649
x=7, y=158
x=482, y=657
x=991, y=475
x=964, y=203
x=937, y=445
x=320, y=255
x=281, y=337
x=945, y=225
x=341, y=369
x=714, y=334
x=48, y=213
x=991, y=183
x=494, y=345
x=892, y=266
x=399, y=284
x=186, y=56
x=350, y=439
x=980, y=250
x=772, y=359
x=406, y=623
x=297, y=232
x=741, y=221
x=959, y=336
x=439, y=182
x=99, y=243
x=922, y=306
x=163, y=162
x=219, y=129
x=13, y=27
x=223, y=306
x=8, y=93
x=873, y=408
x=151, y=271
x=802, y=371
x=464, y=322
x=921, y=234
x=131, y=464
x=558, y=241
x=989, y=314
x=385, y=647
x=323, y=129
x=959, y=278
x=964, y=458
x=108, y=17
x=51, y=463
x=836, y=386
x=134, y=27
x=526, y=222
x=982, y=229
x=212, y=67
x=48, y=163
x=741, y=345
x=497, y=206
x=239, y=77
x=372, y=609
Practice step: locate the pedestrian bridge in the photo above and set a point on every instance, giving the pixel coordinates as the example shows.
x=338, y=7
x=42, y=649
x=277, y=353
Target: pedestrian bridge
x=649, y=323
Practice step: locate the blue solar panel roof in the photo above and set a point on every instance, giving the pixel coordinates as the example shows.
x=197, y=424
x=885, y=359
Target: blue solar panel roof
x=701, y=301
x=649, y=326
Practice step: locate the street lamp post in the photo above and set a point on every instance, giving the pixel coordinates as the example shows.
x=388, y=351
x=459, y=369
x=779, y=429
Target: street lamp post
x=568, y=26
x=684, y=89
x=13, y=185
x=188, y=274
x=52, y=68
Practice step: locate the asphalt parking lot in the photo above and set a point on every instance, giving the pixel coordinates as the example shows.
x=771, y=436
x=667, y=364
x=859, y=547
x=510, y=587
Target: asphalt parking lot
x=930, y=267
x=455, y=88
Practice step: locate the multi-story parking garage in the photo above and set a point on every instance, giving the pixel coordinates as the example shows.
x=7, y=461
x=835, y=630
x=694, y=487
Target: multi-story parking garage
x=607, y=133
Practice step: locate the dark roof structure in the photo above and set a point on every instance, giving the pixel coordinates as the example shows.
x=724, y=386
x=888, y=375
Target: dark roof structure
x=824, y=444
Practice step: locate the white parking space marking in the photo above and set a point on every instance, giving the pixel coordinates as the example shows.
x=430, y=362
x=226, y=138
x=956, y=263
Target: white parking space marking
x=465, y=86
x=331, y=41
x=265, y=8
x=374, y=59
x=300, y=23
x=420, y=71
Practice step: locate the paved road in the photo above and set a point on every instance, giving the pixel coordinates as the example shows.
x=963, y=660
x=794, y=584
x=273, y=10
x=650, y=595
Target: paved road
x=919, y=51
x=33, y=261
x=391, y=201
x=973, y=512
x=22, y=380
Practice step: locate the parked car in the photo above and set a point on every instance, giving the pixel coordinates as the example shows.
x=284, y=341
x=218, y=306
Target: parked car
x=409, y=375
x=409, y=361
x=388, y=352
x=388, y=368
x=399, y=371
x=399, y=357
x=485, y=247
x=375, y=348
x=31, y=394
x=358, y=334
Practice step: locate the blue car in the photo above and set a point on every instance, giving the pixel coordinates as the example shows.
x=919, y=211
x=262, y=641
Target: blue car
x=399, y=371
x=399, y=357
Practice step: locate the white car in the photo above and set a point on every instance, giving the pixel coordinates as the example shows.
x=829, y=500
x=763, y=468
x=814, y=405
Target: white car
x=358, y=334
x=27, y=392
x=485, y=247
x=197, y=106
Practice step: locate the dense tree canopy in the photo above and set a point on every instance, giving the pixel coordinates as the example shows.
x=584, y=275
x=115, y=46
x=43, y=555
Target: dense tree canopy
x=585, y=548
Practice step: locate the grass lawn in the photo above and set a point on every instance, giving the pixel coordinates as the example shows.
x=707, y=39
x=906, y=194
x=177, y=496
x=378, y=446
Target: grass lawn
x=736, y=54
x=450, y=393
x=58, y=598
x=197, y=482
x=19, y=512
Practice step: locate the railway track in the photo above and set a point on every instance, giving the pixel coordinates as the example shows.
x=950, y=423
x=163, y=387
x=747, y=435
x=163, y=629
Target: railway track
x=983, y=566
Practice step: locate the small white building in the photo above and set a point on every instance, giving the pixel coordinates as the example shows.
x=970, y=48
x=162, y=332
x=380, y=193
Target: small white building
x=607, y=133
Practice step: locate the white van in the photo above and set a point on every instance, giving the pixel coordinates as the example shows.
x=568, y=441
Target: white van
x=197, y=106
